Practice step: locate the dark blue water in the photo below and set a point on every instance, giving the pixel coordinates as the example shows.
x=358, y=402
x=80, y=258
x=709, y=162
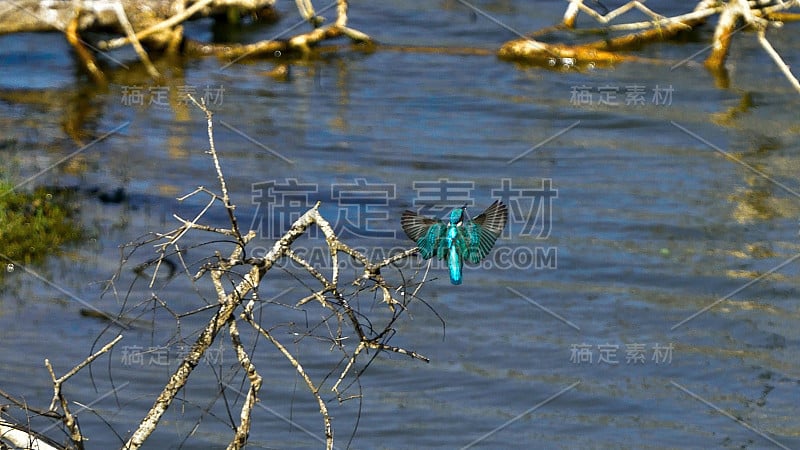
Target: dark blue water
x=581, y=329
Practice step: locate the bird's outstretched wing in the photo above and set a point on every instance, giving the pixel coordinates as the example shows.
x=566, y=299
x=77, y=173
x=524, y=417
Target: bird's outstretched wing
x=426, y=232
x=482, y=232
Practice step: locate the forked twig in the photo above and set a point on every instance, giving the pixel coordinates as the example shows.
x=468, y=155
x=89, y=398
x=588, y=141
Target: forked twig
x=243, y=294
x=58, y=395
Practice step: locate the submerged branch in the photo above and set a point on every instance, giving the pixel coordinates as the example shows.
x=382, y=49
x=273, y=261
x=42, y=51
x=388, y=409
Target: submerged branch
x=606, y=51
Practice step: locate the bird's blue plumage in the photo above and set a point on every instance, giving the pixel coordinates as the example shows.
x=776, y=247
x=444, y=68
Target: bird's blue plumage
x=458, y=239
x=454, y=250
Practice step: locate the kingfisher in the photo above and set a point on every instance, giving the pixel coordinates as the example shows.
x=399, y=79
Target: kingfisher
x=458, y=239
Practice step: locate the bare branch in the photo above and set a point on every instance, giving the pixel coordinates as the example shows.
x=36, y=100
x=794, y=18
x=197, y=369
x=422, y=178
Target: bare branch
x=58, y=396
x=331, y=296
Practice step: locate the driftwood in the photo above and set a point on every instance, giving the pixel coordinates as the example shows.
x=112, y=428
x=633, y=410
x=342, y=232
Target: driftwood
x=149, y=25
x=155, y=25
x=760, y=15
x=18, y=16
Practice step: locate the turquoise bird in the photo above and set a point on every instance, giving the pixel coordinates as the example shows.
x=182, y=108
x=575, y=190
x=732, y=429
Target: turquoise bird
x=458, y=240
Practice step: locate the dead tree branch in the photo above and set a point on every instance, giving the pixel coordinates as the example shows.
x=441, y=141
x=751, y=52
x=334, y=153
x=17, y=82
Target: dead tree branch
x=606, y=52
x=58, y=395
x=156, y=25
x=332, y=295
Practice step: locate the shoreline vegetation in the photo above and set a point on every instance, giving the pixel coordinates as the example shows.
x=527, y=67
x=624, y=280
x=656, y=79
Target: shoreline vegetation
x=36, y=224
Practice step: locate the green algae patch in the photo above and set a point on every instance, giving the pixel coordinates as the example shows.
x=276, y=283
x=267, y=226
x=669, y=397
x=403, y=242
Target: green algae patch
x=35, y=224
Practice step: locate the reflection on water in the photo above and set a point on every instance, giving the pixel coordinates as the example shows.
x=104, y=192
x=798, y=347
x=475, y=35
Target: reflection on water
x=650, y=226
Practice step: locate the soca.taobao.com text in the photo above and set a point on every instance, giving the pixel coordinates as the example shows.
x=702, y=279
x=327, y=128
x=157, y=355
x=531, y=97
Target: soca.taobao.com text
x=504, y=257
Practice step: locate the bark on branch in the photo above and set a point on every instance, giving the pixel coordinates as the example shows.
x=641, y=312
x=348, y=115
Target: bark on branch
x=244, y=295
x=156, y=25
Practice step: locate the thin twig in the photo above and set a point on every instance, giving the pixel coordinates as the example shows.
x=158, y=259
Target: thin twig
x=168, y=23
x=323, y=408
x=122, y=17
x=787, y=72
x=68, y=418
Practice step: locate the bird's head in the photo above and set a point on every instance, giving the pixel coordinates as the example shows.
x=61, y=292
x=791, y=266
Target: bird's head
x=456, y=216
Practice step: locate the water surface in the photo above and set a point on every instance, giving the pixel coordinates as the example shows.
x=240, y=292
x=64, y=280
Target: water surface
x=665, y=207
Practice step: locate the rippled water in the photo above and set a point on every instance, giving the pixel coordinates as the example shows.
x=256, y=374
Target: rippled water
x=649, y=305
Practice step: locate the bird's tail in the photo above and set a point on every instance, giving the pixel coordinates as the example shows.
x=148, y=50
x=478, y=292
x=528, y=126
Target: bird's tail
x=454, y=263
